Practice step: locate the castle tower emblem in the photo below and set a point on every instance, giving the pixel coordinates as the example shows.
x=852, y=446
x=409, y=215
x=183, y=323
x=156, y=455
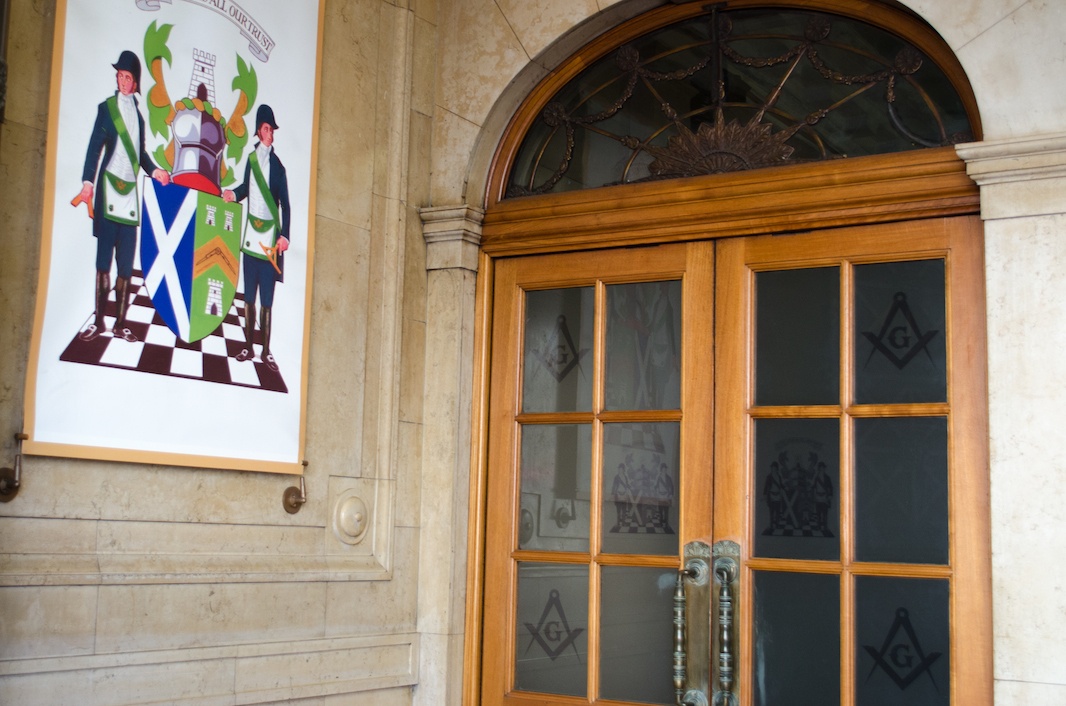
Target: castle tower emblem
x=199, y=136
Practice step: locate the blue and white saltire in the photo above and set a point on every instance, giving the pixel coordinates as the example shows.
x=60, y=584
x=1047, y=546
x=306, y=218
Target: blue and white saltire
x=168, y=240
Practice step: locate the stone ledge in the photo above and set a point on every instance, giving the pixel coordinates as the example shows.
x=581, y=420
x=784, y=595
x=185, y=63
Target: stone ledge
x=248, y=673
x=124, y=569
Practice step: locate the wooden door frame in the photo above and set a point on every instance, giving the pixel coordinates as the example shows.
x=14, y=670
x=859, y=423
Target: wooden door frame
x=907, y=186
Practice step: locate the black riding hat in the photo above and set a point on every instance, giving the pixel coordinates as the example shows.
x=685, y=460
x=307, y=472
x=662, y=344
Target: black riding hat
x=128, y=61
x=265, y=115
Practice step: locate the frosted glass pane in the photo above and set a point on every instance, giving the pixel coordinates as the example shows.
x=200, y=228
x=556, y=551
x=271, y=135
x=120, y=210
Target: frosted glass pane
x=637, y=635
x=902, y=653
x=551, y=653
x=644, y=346
x=640, y=464
x=555, y=477
x=900, y=332
x=557, y=350
x=796, y=494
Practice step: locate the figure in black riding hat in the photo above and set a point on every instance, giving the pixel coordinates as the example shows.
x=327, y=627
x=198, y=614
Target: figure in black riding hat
x=109, y=187
x=266, y=232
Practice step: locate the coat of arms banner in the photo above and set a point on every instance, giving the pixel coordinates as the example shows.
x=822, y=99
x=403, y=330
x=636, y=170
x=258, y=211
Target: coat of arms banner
x=173, y=302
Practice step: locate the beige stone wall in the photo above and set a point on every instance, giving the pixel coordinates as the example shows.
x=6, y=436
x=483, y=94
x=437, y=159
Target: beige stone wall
x=124, y=583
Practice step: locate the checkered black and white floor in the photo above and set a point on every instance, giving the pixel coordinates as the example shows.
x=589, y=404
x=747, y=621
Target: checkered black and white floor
x=160, y=351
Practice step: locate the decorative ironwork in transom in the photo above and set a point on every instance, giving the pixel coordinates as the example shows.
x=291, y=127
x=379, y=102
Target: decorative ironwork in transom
x=733, y=90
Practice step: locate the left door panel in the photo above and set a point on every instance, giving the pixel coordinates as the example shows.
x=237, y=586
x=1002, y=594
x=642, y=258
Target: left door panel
x=600, y=403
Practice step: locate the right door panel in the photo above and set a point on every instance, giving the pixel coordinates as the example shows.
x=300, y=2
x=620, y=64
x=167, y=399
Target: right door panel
x=851, y=463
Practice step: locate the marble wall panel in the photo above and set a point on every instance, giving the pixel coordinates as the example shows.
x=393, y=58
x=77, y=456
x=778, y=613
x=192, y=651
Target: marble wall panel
x=1014, y=65
x=172, y=617
x=424, y=69
x=50, y=621
x=1027, y=383
x=442, y=661
x=346, y=665
x=236, y=541
x=372, y=607
x=409, y=475
x=21, y=175
x=1012, y=692
x=348, y=111
x=339, y=315
x=960, y=22
x=206, y=684
x=29, y=59
x=64, y=488
x=482, y=54
x=47, y=536
x=453, y=138
x=538, y=25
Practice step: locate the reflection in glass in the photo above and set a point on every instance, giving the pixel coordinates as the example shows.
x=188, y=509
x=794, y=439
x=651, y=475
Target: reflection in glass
x=796, y=496
x=900, y=341
x=557, y=350
x=555, y=478
x=797, y=338
x=552, y=632
x=640, y=464
x=636, y=639
x=902, y=642
x=644, y=346
x=797, y=639
x=901, y=489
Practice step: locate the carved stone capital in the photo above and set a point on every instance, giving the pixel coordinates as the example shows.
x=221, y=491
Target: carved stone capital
x=1018, y=177
x=453, y=236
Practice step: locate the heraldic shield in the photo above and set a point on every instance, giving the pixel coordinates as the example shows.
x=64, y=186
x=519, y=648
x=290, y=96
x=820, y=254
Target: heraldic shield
x=190, y=255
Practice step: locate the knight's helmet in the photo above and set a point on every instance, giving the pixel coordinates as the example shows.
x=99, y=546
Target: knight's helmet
x=199, y=138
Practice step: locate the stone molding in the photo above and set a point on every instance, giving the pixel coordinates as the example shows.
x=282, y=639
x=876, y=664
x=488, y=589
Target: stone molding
x=452, y=235
x=1018, y=177
x=251, y=673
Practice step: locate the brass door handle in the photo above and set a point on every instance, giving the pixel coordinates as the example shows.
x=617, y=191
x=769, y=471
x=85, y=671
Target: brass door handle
x=691, y=638
x=727, y=577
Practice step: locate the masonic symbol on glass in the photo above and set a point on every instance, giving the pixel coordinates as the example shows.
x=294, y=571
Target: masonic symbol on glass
x=900, y=339
x=553, y=632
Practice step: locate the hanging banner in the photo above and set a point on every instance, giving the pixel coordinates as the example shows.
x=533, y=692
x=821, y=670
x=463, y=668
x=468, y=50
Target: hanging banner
x=172, y=315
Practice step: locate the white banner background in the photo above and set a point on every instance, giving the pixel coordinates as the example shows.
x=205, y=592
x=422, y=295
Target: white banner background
x=99, y=408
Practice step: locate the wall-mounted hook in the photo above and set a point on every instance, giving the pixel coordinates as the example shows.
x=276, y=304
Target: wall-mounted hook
x=293, y=498
x=11, y=478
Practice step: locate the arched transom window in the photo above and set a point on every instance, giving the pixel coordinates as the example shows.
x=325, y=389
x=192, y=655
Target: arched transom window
x=728, y=90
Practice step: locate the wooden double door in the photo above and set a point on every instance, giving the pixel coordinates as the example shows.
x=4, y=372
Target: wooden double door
x=814, y=402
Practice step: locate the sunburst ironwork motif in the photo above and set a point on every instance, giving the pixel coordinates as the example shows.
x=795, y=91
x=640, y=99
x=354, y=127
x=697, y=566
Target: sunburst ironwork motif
x=714, y=137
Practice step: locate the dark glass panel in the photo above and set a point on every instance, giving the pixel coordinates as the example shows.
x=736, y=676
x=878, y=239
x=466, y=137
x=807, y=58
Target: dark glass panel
x=796, y=659
x=640, y=466
x=552, y=633
x=556, y=482
x=902, y=655
x=557, y=350
x=900, y=332
x=797, y=338
x=796, y=496
x=636, y=635
x=901, y=490
x=644, y=346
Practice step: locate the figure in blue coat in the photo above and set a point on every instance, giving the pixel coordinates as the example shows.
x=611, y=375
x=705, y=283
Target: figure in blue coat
x=266, y=233
x=109, y=182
